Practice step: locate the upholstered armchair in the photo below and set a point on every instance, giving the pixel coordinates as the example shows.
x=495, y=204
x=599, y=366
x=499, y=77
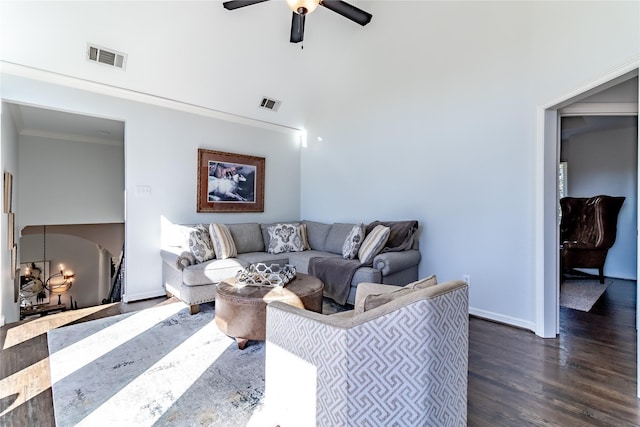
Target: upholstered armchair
x=404, y=362
x=588, y=229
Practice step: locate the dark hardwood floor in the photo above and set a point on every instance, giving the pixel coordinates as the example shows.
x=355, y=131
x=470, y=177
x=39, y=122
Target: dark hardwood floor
x=585, y=377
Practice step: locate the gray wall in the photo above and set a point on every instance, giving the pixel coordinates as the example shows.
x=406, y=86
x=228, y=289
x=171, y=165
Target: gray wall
x=70, y=182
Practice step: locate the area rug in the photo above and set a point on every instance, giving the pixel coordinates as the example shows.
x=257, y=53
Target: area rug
x=582, y=294
x=156, y=367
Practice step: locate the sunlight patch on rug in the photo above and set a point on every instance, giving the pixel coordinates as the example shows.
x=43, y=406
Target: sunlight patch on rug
x=582, y=294
x=180, y=371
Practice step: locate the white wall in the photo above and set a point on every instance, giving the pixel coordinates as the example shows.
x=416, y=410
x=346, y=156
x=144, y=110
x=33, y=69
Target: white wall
x=606, y=162
x=9, y=311
x=428, y=115
x=439, y=124
x=161, y=147
x=70, y=182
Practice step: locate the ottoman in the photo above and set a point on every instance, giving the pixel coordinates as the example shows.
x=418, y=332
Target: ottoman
x=241, y=310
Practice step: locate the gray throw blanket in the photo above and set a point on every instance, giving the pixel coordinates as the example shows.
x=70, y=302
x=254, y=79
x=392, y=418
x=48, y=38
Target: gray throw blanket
x=336, y=274
x=401, y=234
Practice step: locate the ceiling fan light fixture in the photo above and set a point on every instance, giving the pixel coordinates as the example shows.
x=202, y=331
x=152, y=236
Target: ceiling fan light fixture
x=303, y=7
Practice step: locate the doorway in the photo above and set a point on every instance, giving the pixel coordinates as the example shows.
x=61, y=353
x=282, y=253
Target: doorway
x=547, y=271
x=77, y=205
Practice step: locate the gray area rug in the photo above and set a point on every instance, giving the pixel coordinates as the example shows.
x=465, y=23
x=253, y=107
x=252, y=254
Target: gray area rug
x=155, y=367
x=582, y=294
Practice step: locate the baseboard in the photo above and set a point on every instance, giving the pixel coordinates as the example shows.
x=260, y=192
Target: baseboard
x=146, y=295
x=495, y=317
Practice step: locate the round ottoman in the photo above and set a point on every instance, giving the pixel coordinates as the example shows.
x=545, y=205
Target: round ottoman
x=241, y=310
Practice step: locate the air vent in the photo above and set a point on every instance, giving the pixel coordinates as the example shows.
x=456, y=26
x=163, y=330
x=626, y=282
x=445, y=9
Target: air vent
x=106, y=56
x=270, y=104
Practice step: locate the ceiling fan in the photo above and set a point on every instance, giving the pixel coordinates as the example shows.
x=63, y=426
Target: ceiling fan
x=301, y=8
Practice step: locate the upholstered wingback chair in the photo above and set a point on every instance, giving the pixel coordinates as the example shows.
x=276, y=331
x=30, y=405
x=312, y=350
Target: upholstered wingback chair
x=588, y=229
x=404, y=362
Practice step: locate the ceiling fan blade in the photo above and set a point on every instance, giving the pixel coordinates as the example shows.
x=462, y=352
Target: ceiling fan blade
x=235, y=4
x=297, y=28
x=348, y=11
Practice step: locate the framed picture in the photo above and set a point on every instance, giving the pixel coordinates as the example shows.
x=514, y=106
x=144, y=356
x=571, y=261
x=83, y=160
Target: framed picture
x=33, y=274
x=14, y=261
x=8, y=192
x=230, y=182
x=11, y=226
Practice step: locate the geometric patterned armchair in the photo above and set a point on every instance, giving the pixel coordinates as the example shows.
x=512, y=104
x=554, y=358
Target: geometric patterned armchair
x=587, y=231
x=404, y=362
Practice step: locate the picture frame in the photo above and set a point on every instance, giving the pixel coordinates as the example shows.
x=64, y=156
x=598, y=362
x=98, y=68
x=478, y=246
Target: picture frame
x=14, y=261
x=11, y=227
x=8, y=192
x=229, y=182
x=32, y=292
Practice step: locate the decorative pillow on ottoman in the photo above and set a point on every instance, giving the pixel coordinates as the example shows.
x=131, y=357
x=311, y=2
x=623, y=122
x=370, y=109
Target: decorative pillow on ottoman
x=199, y=243
x=353, y=241
x=285, y=238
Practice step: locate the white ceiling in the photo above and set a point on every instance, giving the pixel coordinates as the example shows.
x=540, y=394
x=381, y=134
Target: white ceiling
x=41, y=122
x=201, y=54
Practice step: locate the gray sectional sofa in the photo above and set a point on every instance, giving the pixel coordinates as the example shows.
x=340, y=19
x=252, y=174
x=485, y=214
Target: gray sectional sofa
x=195, y=283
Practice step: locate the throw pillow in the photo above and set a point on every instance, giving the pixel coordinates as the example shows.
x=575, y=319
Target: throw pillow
x=199, y=243
x=373, y=244
x=305, y=237
x=423, y=283
x=384, y=296
x=373, y=301
x=285, y=238
x=223, y=243
x=353, y=241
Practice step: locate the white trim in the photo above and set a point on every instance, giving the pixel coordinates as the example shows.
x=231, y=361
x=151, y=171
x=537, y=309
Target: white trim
x=507, y=320
x=600, y=108
x=146, y=295
x=607, y=80
x=131, y=95
x=70, y=137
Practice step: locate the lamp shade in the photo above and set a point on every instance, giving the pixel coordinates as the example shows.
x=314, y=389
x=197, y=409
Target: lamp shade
x=307, y=6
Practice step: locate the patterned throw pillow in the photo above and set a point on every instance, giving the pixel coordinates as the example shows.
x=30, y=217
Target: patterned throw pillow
x=223, y=243
x=199, y=243
x=285, y=238
x=353, y=241
x=373, y=243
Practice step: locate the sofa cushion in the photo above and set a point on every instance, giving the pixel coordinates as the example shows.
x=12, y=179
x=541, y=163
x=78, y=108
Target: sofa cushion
x=300, y=260
x=285, y=238
x=373, y=243
x=263, y=257
x=247, y=237
x=223, y=243
x=200, y=244
x=353, y=241
x=317, y=234
x=336, y=236
x=212, y=272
